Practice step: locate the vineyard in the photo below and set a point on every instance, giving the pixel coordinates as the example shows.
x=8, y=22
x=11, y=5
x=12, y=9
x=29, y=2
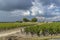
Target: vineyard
x=44, y=29
x=6, y=26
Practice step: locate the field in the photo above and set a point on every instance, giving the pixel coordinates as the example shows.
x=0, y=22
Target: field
x=5, y=26
x=45, y=29
x=34, y=27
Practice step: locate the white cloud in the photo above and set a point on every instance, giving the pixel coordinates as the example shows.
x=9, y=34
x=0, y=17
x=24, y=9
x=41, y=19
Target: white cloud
x=51, y=6
x=40, y=18
x=56, y=13
x=41, y=12
x=16, y=13
x=56, y=18
x=34, y=11
x=37, y=8
x=26, y=13
x=20, y=13
x=49, y=12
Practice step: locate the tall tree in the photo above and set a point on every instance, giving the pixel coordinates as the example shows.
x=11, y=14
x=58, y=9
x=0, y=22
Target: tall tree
x=25, y=20
x=34, y=20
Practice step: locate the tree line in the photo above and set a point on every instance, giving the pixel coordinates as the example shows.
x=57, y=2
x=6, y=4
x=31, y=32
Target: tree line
x=27, y=20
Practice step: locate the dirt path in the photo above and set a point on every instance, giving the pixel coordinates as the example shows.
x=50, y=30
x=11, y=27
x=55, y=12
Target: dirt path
x=10, y=32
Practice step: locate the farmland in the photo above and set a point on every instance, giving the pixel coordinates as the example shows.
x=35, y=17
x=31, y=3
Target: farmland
x=41, y=30
x=44, y=29
x=5, y=26
x=34, y=27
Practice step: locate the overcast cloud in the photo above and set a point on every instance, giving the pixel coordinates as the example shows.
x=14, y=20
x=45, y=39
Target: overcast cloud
x=12, y=10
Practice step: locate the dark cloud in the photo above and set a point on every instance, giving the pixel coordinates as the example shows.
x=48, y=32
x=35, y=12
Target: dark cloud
x=15, y=4
x=49, y=9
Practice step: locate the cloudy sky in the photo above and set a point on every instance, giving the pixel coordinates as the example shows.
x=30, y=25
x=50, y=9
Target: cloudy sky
x=12, y=10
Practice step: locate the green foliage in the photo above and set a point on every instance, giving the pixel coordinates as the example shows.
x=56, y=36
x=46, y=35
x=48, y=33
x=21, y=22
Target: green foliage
x=5, y=26
x=34, y=20
x=25, y=20
x=44, y=29
x=19, y=21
